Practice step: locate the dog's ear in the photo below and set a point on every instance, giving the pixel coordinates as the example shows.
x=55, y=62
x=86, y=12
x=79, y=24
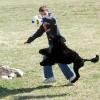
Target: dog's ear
x=52, y=37
x=57, y=38
x=61, y=38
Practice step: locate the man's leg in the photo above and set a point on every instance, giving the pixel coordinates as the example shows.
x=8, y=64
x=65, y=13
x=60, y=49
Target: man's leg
x=48, y=74
x=68, y=73
x=48, y=71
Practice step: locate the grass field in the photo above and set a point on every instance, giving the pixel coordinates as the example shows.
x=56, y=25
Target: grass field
x=79, y=21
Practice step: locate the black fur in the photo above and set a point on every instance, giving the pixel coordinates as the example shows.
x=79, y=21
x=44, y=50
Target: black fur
x=60, y=53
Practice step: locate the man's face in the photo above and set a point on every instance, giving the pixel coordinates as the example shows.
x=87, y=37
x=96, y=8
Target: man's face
x=44, y=13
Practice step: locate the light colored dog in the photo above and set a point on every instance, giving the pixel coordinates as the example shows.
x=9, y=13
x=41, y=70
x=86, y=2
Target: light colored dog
x=9, y=73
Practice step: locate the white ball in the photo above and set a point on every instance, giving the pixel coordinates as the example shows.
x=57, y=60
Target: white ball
x=37, y=21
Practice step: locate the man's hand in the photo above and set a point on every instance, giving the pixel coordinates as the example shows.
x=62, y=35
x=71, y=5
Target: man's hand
x=25, y=42
x=30, y=39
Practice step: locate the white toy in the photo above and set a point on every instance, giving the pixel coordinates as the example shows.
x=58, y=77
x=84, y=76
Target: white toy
x=37, y=21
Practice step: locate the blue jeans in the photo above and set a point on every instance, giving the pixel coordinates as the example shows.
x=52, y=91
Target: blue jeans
x=68, y=73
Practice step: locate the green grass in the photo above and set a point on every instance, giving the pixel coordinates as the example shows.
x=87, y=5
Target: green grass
x=79, y=21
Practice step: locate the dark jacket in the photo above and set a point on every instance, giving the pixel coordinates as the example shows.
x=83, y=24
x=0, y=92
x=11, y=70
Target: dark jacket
x=52, y=28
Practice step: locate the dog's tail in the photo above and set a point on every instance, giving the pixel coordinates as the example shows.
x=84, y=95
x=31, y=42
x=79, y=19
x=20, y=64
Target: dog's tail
x=94, y=60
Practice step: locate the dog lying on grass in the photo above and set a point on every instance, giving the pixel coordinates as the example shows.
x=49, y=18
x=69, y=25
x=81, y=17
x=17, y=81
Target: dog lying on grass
x=60, y=53
x=9, y=73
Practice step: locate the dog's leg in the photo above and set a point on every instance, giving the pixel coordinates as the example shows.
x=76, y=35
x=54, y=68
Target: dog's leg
x=77, y=77
x=44, y=51
x=46, y=62
x=76, y=70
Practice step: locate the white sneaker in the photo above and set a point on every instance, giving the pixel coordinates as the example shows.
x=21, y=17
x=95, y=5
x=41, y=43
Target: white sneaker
x=49, y=80
x=70, y=84
x=71, y=79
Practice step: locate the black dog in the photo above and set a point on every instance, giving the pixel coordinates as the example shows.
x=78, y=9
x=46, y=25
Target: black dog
x=60, y=53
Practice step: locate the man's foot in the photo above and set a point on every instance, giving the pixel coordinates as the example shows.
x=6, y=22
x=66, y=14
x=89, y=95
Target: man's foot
x=70, y=83
x=49, y=80
x=72, y=78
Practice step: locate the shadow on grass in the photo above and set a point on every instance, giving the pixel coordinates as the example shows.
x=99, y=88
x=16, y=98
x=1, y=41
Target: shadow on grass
x=28, y=97
x=6, y=92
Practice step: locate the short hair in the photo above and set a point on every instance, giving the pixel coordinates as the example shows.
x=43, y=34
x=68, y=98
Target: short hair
x=43, y=8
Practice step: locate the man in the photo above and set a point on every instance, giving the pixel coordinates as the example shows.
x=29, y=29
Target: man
x=49, y=22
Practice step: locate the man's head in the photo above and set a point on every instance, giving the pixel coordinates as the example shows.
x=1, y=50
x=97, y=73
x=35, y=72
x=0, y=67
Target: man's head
x=43, y=10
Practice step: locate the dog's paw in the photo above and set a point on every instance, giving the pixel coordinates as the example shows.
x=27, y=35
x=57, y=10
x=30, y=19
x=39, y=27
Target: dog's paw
x=46, y=63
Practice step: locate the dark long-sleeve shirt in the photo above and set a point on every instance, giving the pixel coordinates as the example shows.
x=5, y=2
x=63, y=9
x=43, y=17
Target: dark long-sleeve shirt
x=52, y=29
